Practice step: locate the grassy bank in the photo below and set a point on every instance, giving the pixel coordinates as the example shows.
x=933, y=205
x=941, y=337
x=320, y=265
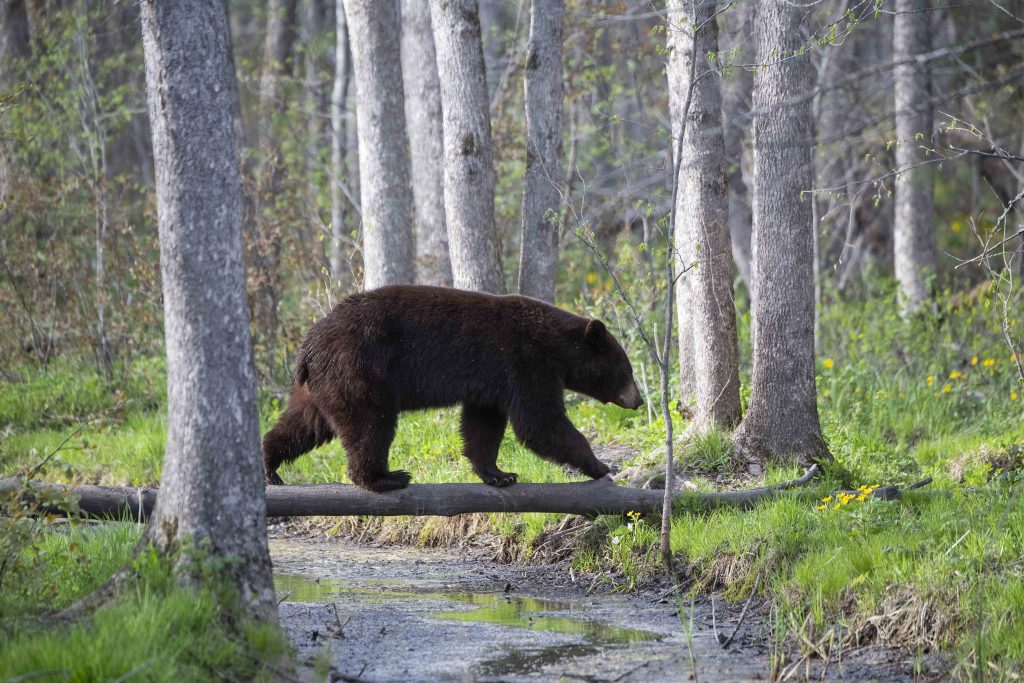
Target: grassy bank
x=940, y=571
x=155, y=631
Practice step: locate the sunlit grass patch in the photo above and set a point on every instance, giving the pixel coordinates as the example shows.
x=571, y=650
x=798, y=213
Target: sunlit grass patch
x=156, y=630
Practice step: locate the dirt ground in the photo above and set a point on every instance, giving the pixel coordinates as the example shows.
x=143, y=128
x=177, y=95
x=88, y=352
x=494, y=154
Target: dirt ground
x=379, y=614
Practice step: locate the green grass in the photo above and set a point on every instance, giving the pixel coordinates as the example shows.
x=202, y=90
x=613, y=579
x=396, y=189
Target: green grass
x=899, y=401
x=157, y=630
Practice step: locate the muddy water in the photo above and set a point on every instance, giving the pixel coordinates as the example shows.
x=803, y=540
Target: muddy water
x=401, y=614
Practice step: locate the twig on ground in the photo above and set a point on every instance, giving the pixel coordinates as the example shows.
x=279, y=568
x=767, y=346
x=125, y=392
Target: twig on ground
x=42, y=463
x=743, y=614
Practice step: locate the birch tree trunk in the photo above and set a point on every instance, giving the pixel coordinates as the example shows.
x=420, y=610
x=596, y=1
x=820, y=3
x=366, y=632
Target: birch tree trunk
x=468, y=166
x=736, y=116
x=317, y=102
x=538, y=260
x=702, y=217
x=265, y=245
x=383, y=144
x=782, y=416
x=211, y=490
x=426, y=143
x=339, y=146
x=912, y=231
x=678, y=85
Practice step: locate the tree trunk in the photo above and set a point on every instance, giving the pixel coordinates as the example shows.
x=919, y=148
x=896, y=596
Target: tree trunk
x=317, y=104
x=702, y=211
x=14, y=46
x=212, y=494
x=680, y=37
x=265, y=247
x=426, y=143
x=912, y=231
x=782, y=416
x=383, y=145
x=538, y=261
x=468, y=166
x=736, y=90
x=339, y=148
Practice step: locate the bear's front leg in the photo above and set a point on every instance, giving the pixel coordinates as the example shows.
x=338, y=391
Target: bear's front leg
x=553, y=437
x=482, y=430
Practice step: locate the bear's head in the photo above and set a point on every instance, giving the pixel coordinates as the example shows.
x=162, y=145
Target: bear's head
x=601, y=369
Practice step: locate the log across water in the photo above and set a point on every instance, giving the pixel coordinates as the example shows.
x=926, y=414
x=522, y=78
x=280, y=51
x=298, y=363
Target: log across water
x=590, y=498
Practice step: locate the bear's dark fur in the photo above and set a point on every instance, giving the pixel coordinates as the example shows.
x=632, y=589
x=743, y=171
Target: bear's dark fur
x=504, y=358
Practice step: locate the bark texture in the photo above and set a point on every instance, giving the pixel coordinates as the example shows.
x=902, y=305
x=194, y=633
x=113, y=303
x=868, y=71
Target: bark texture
x=468, y=166
x=212, y=483
x=386, y=198
x=339, y=146
x=702, y=211
x=265, y=248
x=538, y=261
x=736, y=116
x=677, y=100
x=782, y=416
x=426, y=143
x=912, y=231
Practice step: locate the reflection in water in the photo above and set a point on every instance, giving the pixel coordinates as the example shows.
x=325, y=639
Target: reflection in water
x=491, y=608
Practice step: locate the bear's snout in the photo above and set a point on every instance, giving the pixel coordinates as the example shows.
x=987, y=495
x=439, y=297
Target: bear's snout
x=630, y=397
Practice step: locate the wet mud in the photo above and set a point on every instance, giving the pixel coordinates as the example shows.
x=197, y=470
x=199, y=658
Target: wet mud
x=378, y=614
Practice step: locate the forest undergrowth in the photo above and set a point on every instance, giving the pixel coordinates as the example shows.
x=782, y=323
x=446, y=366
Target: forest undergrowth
x=939, y=571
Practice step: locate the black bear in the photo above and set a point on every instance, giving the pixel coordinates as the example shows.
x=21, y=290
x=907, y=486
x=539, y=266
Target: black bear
x=408, y=347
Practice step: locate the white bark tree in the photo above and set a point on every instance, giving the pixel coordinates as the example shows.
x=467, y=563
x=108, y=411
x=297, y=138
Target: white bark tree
x=912, y=230
x=468, y=166
x=707, y=312
x=426, y=142
x=211, y=491
x=265, y=252
x=736, y=92
x=538, y=261
x=339, y=145
x=386, y=198
x=782, y=417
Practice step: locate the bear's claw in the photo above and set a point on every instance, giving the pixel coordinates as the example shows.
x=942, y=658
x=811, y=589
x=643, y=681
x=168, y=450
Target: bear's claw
x=499, y=478
x=273, y=479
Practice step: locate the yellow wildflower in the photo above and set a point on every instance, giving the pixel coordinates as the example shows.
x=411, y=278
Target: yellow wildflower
x=828, y=363
x=956, y=375
x=974, y=360
x=931, y=380
x=591, y=278
x=947, y=387
x=1013, y=396
x=989, y=362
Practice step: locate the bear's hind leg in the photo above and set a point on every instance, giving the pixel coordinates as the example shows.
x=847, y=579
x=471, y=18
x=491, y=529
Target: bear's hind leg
x=482, y=430
x=367, y=433
x=300, y=429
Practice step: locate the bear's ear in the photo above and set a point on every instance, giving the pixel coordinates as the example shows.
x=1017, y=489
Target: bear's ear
x=596, y=333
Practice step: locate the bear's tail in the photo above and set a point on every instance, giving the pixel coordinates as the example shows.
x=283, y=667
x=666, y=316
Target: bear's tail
x=301, y=367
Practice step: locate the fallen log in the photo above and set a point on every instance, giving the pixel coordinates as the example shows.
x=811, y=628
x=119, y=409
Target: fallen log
x=589, y=498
